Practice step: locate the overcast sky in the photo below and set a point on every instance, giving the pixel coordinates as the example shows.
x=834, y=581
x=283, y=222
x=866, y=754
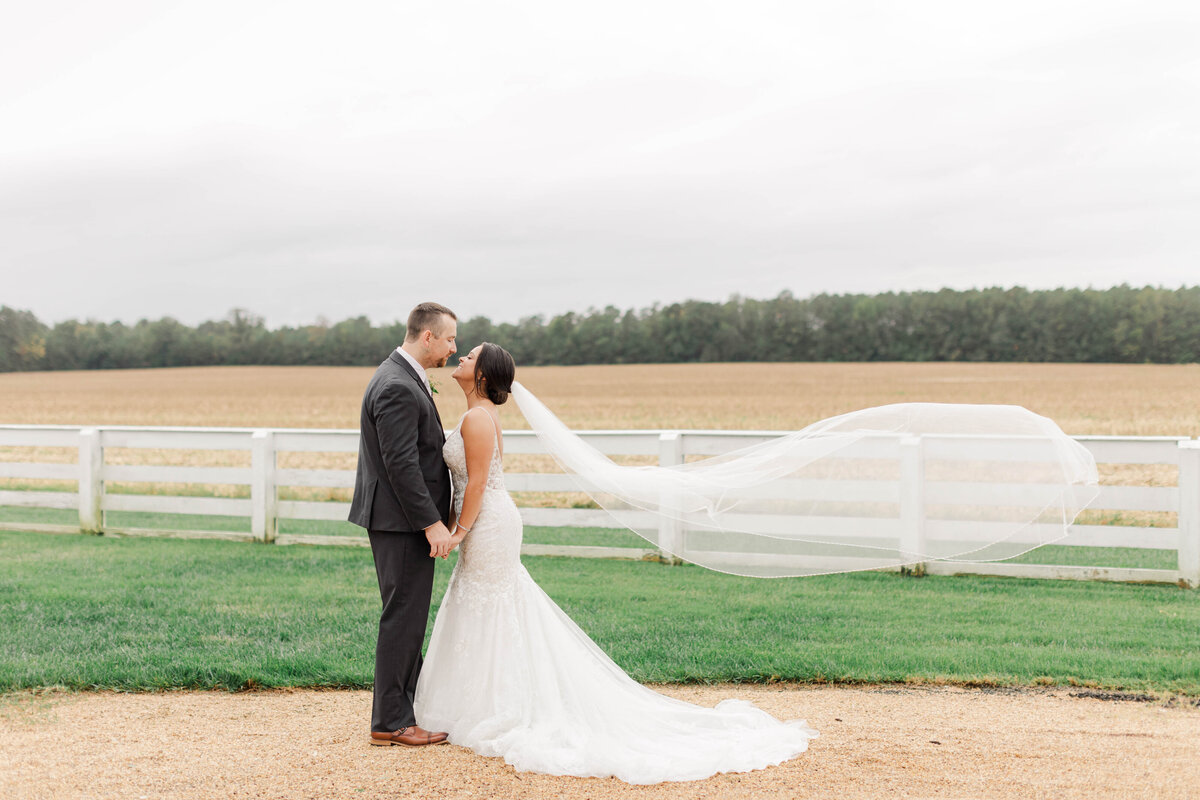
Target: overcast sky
x=304, y=159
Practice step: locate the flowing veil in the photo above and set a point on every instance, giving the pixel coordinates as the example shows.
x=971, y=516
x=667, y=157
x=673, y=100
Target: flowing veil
x=882, y=487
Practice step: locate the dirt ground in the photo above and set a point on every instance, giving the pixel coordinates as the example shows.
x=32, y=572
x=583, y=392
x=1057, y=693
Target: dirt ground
x=918, y=742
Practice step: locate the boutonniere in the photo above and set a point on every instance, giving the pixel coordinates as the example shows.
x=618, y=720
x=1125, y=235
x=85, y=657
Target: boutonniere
x=432, y=385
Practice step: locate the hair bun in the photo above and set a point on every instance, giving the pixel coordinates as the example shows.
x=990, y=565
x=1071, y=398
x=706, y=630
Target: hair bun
x=495, y=372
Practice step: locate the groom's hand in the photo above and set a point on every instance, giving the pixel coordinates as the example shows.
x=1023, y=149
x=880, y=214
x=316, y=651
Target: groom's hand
x=440, y=540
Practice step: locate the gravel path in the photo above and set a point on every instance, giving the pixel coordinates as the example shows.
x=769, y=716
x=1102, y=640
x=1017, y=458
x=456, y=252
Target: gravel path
x=875, y=742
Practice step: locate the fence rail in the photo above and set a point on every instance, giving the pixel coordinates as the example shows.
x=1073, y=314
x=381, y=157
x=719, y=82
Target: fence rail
x=265, y=509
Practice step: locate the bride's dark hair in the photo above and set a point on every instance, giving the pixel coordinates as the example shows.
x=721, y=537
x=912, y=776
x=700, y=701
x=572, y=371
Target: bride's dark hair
x=494, y=373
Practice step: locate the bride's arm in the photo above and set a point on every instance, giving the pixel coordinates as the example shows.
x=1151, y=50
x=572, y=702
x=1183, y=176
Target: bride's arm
x=479, y=437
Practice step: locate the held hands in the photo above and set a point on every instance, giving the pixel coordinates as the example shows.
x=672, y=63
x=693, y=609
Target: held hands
x=440, y=540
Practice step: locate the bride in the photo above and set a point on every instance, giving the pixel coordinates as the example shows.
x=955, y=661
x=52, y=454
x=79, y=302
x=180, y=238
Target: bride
x=508, y=674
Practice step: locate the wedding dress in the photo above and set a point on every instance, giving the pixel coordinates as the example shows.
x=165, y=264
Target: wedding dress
x=508, y=674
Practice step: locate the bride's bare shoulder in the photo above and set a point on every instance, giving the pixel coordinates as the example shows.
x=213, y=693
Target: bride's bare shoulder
x=478, y=430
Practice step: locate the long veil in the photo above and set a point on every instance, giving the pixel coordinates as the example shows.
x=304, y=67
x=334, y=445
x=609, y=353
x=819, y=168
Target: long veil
x=882, y=487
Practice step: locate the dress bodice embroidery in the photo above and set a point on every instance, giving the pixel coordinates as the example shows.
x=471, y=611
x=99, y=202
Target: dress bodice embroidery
x=455, y=454
x=490, y=554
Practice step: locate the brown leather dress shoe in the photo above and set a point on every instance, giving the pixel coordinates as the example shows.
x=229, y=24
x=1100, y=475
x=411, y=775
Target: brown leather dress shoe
x=410, y=736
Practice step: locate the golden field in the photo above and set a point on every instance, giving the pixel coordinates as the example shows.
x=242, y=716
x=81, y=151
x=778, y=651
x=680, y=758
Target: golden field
x=1083, y=398
x=1137, y=399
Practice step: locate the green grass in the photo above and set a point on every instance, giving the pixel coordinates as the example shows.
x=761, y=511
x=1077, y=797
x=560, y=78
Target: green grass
x=134, y=614
x=1100, y=557
x=209, y=522
x=50, y=516
x=1049, y=554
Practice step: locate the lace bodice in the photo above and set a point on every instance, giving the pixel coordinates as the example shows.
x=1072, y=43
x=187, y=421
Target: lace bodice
x=489, y=558
x=455, y=454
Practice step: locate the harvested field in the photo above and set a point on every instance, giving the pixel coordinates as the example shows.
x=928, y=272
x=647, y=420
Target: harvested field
x=1109, y=399
x=929, y=742
x=1128, y=399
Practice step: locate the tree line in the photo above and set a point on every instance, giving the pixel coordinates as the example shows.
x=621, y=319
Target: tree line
x=1121, y=324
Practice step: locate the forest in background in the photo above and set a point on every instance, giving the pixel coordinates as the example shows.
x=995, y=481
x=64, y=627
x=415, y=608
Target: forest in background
x=1118, y=325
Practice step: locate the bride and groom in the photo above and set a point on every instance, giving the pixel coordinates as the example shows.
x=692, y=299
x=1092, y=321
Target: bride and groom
x=507, y=673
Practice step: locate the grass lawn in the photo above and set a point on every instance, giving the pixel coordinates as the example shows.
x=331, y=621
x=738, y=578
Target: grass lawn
x=606, y=537
x=84, y=611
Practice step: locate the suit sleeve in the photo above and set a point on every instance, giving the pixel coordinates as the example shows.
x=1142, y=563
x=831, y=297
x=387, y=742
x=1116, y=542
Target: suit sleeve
x=396, y=418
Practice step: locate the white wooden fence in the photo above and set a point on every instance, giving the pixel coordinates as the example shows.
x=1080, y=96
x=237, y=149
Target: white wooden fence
x=265, y=509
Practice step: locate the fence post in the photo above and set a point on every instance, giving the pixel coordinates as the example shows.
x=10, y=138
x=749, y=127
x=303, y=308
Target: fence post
x=670, y=531
x=1189, y=514
x=912, y=502
x=91, y=485
x=264, y=498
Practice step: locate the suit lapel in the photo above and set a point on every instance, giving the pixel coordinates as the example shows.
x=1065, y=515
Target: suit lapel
x=412, y=373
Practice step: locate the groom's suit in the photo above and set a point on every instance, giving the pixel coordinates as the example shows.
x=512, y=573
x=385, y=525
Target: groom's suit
x=401, y=488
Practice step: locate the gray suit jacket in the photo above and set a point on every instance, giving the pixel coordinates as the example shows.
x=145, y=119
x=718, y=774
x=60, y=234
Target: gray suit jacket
x=402, y=482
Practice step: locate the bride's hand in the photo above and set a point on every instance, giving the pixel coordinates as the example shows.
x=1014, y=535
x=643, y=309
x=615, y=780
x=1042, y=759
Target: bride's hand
x=439, y=540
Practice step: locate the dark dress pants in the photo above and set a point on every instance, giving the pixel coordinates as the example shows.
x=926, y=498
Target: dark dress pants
x=405, y=573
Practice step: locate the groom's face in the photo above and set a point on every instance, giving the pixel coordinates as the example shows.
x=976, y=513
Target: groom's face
x=441, y=342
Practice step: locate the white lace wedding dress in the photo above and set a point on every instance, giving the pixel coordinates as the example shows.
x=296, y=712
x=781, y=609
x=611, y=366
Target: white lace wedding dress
x=508, y=674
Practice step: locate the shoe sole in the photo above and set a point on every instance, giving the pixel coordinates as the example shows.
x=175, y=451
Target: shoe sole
x=389, y=743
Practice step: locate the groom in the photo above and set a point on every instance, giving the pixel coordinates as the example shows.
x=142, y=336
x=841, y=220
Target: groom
x=402, y=498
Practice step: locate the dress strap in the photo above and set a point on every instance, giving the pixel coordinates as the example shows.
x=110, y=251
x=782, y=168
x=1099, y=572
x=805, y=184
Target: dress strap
x=494, y=425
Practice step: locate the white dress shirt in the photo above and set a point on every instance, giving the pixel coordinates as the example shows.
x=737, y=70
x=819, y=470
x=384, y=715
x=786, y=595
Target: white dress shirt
x=420, y=370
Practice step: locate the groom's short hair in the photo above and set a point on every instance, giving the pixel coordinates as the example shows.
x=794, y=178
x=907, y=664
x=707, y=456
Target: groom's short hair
x=427, y=317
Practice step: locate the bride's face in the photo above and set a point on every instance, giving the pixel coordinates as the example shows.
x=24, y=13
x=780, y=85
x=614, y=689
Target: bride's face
x=465, y=371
